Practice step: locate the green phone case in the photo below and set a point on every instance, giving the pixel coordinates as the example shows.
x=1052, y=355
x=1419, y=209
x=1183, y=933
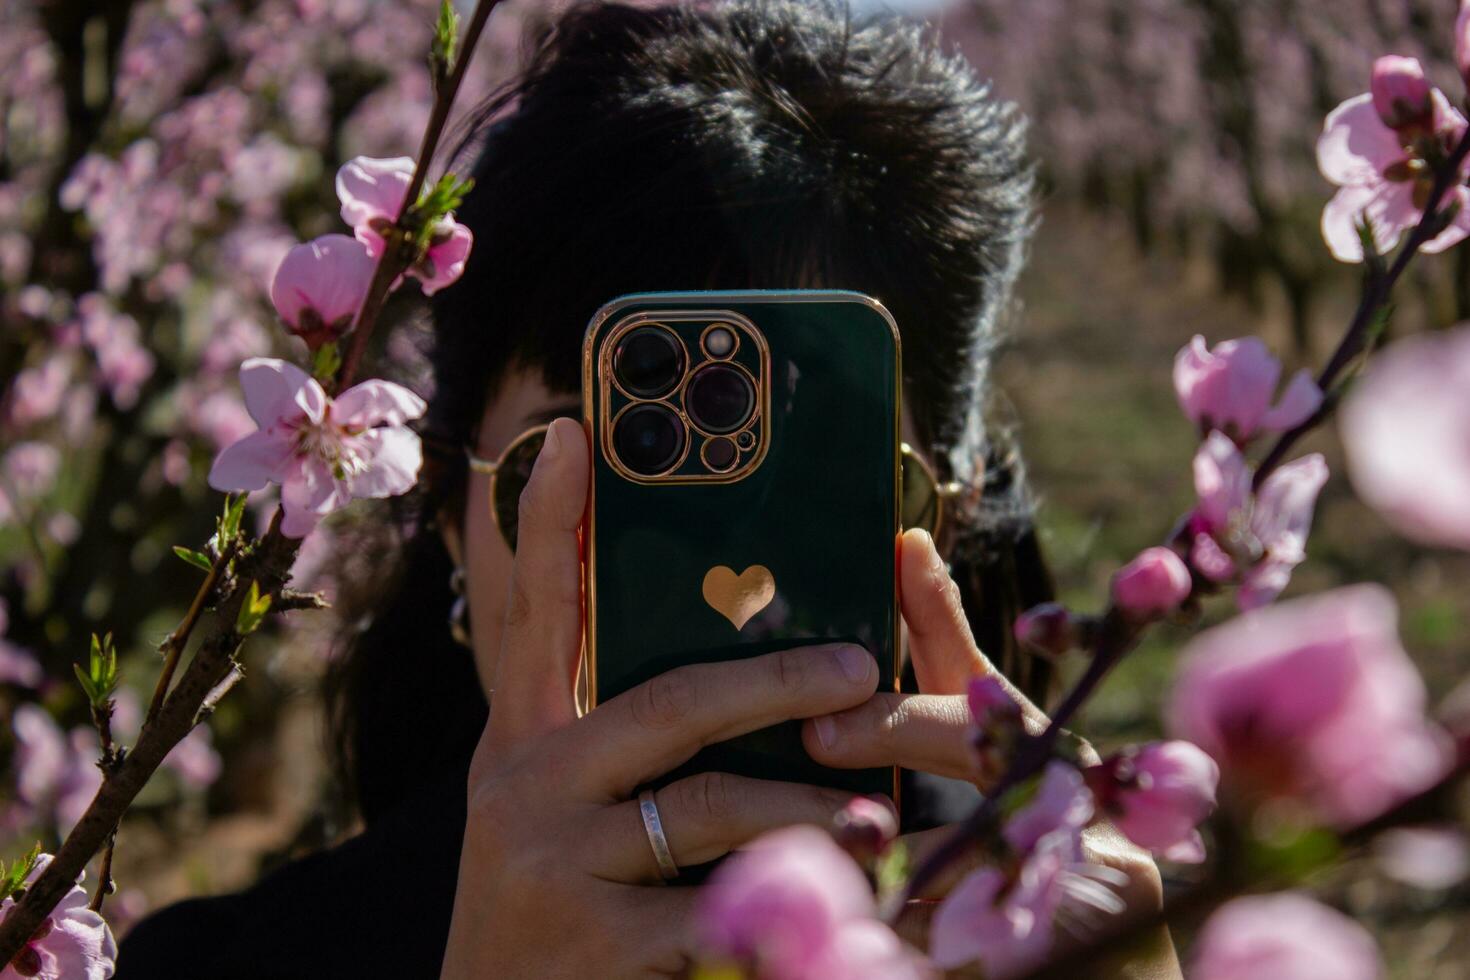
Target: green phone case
x=820, y=513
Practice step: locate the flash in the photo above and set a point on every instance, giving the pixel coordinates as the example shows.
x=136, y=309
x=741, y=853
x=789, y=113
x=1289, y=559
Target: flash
x=719, y=341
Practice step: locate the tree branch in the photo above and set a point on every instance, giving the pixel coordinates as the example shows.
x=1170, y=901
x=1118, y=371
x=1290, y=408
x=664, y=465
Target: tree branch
x=392, y=263
x=1117, y=638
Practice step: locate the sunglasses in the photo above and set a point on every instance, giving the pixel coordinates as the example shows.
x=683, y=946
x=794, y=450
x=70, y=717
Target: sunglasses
x=924, y=498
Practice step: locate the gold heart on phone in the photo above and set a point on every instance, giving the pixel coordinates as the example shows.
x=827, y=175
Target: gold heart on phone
x=739, y=597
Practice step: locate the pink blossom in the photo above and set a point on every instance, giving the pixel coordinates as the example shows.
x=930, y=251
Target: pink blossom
x=1153, y=584
x=1156, y=794
x=794, y=906
x=74, y=943
x=1258, y=539
x=1313, y=700
x=865, y=827
x=1230, y=388
x=996, y=725
x=371, y=192
x=1401, y=93
x=1048, y=628
x=123, y=364
x=1379, y=176
x=236, y=338
x=1406, y=429
x=193, y=760
x=1287, y=936
x=36, y=392
x=322, y=452
x=1006, y=926
x=443, y=262
x=319, y=287
x=1062, y=802
x=17, y=666
x=55, y=772
x=175, y=463
x=1431, y=858
x=221, y=417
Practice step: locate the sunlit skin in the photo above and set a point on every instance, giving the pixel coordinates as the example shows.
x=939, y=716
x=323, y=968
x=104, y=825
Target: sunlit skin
x=556, y=875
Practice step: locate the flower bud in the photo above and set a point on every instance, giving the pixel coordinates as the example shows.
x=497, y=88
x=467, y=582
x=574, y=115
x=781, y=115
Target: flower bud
x=865, y=828
x=997, y=724
x=1156, y=794
x=319, y=286
x=1401, y=93
x=1151, y=585
x=1048, y=629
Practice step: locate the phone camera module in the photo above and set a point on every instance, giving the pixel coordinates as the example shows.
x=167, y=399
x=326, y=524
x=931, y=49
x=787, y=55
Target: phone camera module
x=649, y=362
x=720, y=398
x=648, y=438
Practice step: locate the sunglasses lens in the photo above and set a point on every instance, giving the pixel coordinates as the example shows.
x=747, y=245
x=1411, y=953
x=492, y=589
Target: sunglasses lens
x=511, y=477
x=920, y=506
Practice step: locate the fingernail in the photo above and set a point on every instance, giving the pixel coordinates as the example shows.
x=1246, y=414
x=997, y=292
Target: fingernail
x=855, y=662
x=826, y=731
x=551, y=445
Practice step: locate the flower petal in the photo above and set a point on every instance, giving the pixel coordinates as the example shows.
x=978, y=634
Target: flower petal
x=1355, y=146
x=261, y=457
x=372, y=189
x=309, y=494
x=376, y=402
x=278, y=391
x=1301, y=398
x=396, y=455
x=1222, y=481
x=329, y=275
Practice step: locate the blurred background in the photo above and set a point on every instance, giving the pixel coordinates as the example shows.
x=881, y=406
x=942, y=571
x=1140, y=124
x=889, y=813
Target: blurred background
x=157, y=159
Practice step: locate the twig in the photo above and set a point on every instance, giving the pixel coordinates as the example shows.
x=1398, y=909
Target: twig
x=104, y=876
x=1231, y=875
x=391, y=263
x=173, y=713
x=1377, y=292
x=1116, y=638
x=269, y=564
x=174, y=645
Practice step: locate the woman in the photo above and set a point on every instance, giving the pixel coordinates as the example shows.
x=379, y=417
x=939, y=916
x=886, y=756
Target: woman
x=763, y=145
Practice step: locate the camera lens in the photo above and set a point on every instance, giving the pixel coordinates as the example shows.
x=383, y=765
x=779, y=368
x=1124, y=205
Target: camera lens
x=720, y=398
x=648, y=362
x=648, y=438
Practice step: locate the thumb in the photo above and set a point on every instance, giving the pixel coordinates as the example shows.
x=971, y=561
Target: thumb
x=535, y=674
x=941, y=645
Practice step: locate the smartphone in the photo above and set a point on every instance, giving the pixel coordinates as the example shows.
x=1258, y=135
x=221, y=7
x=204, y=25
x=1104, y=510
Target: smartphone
x=745, y=495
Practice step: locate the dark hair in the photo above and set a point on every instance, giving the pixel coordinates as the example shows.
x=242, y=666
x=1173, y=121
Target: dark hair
x=739, y=145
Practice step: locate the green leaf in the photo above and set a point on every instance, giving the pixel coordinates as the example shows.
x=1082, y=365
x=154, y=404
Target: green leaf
x=1293, y=852
x=13, y=877
x=99, y=680
x=446, y=41
x=893, y=869
x=86, y=683
x=252, y=610
x=443, y=197
x=326, y=361
x=234, y=510
x=196, y=558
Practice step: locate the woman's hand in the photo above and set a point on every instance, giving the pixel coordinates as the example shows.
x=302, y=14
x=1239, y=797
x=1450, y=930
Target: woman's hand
x=557, y=877
x=928, y=732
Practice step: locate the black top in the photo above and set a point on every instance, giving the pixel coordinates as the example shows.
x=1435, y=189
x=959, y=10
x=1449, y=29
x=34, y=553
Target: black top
x=376, y=906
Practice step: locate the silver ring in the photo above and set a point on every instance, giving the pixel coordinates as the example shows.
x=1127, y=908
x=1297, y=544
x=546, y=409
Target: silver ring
x=667, y=869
